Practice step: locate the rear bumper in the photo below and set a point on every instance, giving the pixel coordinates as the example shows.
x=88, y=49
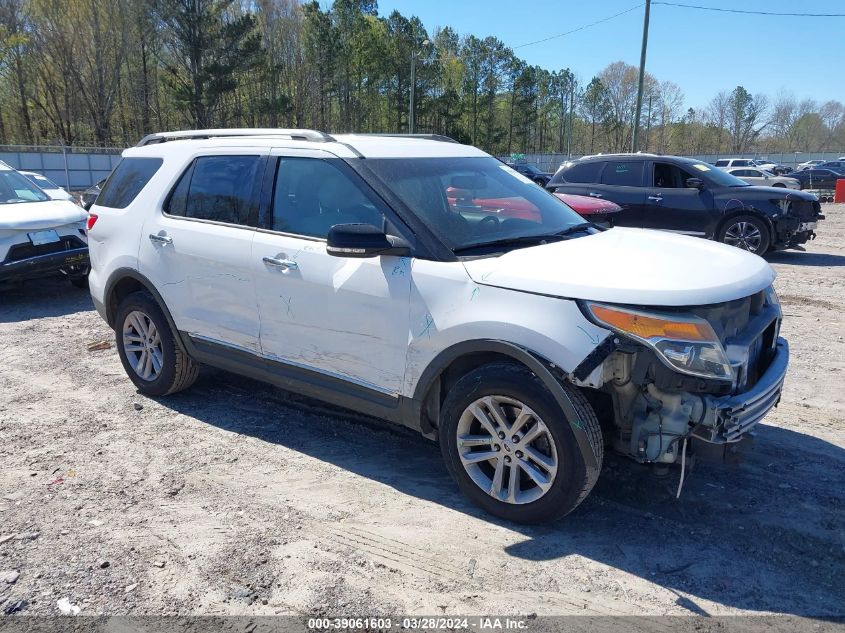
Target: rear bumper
x=43, y=264
x=728, y=418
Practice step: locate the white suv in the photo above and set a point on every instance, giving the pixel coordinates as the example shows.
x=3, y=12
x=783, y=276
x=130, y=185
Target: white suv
x=425, y=282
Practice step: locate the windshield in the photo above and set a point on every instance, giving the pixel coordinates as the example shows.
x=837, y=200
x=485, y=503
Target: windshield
x=474, y=201
x=716, y=176
x=15, y=188
x=43, y=181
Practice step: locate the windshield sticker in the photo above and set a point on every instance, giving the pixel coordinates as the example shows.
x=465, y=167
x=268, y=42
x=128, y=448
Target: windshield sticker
x=516, y=174
x=701, y=167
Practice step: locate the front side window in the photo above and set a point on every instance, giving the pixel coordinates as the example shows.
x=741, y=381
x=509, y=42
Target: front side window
x=15, y=188
x=126, y=182
x=469, y=202
x=311, y=195
x=219, y=189
x=623, y=174
x=669, y=176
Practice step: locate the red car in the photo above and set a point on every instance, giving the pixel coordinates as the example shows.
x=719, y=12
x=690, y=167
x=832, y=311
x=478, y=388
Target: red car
x=592, y=209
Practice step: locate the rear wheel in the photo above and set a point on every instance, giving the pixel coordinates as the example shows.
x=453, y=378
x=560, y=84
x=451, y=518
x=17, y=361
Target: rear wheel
x=747, y=232
x=779, y=184
x=510, y=447
x=148, y=350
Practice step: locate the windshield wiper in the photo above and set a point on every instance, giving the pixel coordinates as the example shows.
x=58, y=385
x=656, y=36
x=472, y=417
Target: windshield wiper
x=576, y=228
x=524, y=240
x=508, y=241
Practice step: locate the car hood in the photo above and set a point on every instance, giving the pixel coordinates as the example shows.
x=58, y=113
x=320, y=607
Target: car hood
x=40, y=215
x=757, y=191
x=632, y=266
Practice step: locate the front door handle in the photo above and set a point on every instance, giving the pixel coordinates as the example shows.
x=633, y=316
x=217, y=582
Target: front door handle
x=160, y=239
x=593, y=194
x=287, y=264
x=656, y=198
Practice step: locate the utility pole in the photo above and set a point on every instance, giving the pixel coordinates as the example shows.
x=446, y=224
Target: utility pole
x=412, y=122
x=411, y=112
x=571, y=108
x=636, y=136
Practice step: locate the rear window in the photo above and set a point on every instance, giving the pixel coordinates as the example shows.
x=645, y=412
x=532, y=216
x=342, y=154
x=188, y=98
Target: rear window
x=583, y=172
x=126, y=182
x=218, y=188
x=623, y=173
x=722, y=163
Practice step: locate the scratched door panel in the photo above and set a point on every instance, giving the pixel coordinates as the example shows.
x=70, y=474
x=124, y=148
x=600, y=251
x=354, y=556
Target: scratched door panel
x=338, y=315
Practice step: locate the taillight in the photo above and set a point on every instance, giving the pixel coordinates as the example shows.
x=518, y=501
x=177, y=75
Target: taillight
x=92, y=219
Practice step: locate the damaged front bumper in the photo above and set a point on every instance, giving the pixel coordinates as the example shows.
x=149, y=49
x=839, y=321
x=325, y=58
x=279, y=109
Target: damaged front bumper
x=728, y=418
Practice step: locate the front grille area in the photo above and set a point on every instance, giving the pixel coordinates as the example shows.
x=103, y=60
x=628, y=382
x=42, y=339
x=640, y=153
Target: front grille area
x=27, y=250
x=748, y=330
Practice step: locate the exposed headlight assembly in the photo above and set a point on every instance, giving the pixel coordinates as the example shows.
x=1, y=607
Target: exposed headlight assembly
x=685, y=343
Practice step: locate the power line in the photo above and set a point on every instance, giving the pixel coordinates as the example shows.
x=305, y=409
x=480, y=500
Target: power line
x=747, y=12
x=581, y=28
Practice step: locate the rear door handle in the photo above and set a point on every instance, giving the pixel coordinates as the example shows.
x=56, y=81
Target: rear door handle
x=656, y=198
x=160, y=239
x=593, y=194
x=287, y=264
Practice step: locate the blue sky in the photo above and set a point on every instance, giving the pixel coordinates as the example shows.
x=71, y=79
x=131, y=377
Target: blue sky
x=701, y=51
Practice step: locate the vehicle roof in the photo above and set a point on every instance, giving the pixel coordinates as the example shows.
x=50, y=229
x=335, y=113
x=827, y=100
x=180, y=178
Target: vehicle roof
x=341, y=145
x=629, y=156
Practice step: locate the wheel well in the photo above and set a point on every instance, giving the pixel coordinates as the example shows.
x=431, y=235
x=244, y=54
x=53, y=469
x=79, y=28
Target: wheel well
x=751, y=212
x=451, y=374
x=119, y=291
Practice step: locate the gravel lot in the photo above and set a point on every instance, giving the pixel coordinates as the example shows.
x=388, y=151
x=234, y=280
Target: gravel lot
x=238, y=498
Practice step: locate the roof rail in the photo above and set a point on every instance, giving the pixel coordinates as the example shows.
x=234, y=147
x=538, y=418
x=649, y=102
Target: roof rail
x=295, y=134
x=426, y=137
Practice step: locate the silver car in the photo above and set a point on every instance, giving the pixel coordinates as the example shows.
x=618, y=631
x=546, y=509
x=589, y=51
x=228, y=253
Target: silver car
x=759, y=177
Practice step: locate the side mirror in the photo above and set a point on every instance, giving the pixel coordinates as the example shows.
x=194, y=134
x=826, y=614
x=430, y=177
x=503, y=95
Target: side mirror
x=695, y=183
x=364, y=240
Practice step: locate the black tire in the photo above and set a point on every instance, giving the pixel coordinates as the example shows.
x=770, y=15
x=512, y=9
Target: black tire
x=779, y=184
x=178, y=371
x=570, y=484
x=79, y=281
x=732, y=227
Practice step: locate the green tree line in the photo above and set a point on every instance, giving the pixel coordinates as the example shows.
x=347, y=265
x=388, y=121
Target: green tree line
x=107, y=72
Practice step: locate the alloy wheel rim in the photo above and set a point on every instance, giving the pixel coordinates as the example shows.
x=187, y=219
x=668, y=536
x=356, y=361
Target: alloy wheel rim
x=142, y=344
x=506, y=449
x=744, y=235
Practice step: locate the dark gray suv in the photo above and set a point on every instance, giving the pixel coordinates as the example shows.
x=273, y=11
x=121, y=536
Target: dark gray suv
x=688, y=196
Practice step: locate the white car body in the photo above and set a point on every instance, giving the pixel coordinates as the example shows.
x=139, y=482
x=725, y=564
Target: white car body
x=382, y=326
x=38, y=235
x=754, y=176
x=48, y=186
x=809, y=164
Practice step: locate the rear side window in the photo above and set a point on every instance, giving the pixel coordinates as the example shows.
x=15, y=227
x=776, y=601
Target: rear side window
x=218, y=188
x=722, y=163
x=583, y=172
x=126, y=181
x=623, y=174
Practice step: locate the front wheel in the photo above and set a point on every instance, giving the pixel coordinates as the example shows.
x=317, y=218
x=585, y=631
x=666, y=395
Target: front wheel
x=148, y=349
x=511, y=448
x=747, y=232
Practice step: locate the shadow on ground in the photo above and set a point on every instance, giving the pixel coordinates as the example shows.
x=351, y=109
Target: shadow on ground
x=797, y=258
x=38, y=298
x=766, y=535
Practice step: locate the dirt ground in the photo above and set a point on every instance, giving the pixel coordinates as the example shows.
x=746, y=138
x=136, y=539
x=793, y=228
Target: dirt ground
x=238, y=498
